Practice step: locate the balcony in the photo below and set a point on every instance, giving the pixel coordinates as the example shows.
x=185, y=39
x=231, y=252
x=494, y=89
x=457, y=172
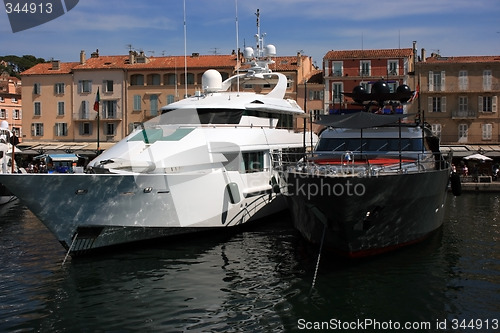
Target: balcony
x=92, y=116
x=467, y=114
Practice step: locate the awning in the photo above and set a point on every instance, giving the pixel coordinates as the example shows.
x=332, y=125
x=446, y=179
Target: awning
x=58, y=157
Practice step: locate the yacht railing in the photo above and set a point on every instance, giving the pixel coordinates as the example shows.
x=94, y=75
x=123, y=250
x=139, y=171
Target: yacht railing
x=362, y=165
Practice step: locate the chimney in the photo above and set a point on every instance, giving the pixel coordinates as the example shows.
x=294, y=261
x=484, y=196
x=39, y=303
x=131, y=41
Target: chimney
x=299, y=59
x=82, y=57
x=95, y=54
x=195, y=55
x=423, y=55
x=56, y=65
x=131, y=57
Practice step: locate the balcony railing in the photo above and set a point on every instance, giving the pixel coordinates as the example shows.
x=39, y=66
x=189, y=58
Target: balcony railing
x=92, y=116
x=461, y=114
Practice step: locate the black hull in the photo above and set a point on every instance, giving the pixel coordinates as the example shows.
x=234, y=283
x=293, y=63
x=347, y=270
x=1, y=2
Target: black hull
x=367, y=216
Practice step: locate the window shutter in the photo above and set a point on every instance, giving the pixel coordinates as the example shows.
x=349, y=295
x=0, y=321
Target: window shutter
x=429, y=102
x=480, y=103
x=431, y=81
x=443, y=104
x=443, y=81
x=494, y=104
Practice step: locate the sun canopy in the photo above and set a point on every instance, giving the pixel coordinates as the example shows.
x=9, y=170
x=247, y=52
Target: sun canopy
x=478, y=157
x=360, y=120
x=59, y=157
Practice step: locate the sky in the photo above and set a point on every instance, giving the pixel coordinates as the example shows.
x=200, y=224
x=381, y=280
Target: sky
x=312, y=27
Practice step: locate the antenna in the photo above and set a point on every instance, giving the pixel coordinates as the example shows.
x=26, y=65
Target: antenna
x=185, y=54
x=237, y=51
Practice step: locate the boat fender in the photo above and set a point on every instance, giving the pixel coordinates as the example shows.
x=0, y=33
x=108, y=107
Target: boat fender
x=234, y=193
x=456, y=185
x=275, y=185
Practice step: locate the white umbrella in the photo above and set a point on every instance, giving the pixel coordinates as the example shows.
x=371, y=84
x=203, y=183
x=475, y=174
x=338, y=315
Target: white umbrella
x=479, y=157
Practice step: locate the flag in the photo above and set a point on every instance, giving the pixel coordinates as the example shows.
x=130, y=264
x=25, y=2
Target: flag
x=415, y=94
x=97, y=100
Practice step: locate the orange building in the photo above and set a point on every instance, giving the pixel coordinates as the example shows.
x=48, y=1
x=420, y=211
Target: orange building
x=11, y=103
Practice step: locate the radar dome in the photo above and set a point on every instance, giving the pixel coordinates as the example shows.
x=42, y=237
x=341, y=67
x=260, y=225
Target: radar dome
x=211, y=81
x=357, y=94
x=4, y=125
x=270, y=50
x=248, y=53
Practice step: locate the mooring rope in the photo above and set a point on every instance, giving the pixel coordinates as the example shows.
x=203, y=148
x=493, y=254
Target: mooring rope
x=319, y=257
x=69, y=250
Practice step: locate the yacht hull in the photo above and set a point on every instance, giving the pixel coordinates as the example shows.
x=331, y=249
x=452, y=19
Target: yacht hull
x=363, y=216
x=87, y=212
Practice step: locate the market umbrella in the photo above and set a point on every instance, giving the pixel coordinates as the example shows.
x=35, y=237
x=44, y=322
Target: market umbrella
x=478, y=157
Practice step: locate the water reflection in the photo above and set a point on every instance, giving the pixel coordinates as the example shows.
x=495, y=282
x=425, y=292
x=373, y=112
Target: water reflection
x=256, y=280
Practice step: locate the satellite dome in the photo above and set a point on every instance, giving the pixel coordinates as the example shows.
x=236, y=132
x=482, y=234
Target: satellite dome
x=211, y=81
x=270, y=50
x=380, y=87
x=403, y=89
x=4, y=125
x=248, y=52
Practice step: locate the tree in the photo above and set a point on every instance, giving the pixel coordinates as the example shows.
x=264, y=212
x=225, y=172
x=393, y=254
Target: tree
x=14, y=65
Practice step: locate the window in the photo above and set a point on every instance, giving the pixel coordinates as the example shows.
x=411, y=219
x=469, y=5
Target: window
x=487, y=130
x=17, y=114
x=315, y=114
x=61, y=129
x=487, y=80
x=365, y=68
x=170, y=99
x=110, y=129
x=463, y=103
x=60, y=108
x=85, y=128
x=3, y=114
x=463, y=80
x=153, y=102
x=487, y=103
x=84, y=86
x=137, y=103
x=337, y=68
x=315, y=95
x=109, y=109
x=36, y=89
x=108, y=86
x=392, y=67
x=59, y=88
x=37, y=109
x=437, y=104
x=190, y=78
x=463, y=132
x=436, y=130
x=436, y=81
x=137, y=80
x=154, y=80
x=337, y=92
x=170, y=79
x=84, y=110
x=253, y=161
x=37, y=129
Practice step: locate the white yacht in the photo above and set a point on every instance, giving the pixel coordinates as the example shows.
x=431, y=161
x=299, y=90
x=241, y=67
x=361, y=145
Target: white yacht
x=208, y=161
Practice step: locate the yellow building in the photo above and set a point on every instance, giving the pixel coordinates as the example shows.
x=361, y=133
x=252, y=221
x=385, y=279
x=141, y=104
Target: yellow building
x=459, y=99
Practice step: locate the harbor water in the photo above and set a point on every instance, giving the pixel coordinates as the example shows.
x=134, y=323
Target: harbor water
x=257, y=280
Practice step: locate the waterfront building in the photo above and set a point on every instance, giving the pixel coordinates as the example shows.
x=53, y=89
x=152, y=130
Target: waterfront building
x=459, y=99
x=11, y=103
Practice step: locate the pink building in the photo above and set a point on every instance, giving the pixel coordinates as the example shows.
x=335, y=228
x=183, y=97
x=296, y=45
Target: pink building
x=10, y=103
